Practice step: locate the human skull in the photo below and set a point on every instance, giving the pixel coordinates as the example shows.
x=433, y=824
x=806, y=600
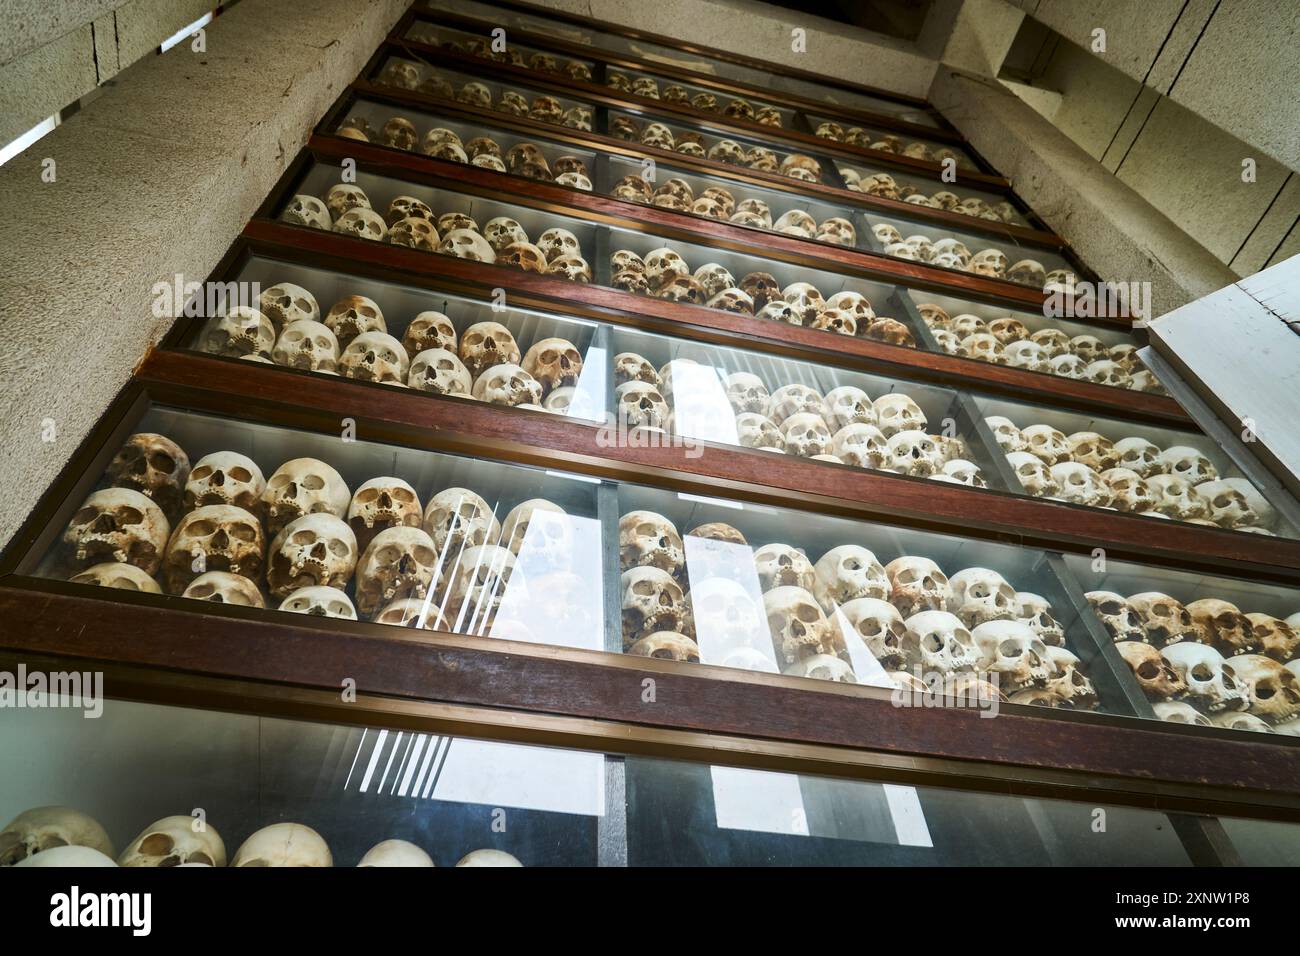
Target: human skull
x=1127, y=491
x=860, y=445
x=503, y=231
x=1014, y=652
x=307, y=345
x=304, y=210
x=1165, y=620
x=344, y=197
x=400, y=562
x=362, y=223
x=917, y=584
x=316, y=550
x=1272, y=691
x=939, y=641
x=172, y=841
x=652, y=601
x=980, y=595
x=556, y=243
x=507, y=384
x=962, y=471
x=153, y=465
x=1036, y=611
x=40, y=829
x=284, y=844
x=1122, y=622
x=354, y=315
x=303, y=486
x=1211, y=681
x=641, y=404
x=798, y=627
x=1067, y=680
x=1157, y=677
x=457, y=518
x=914, y=453
x=1027, y=272
x=540, y=534
x=1227, y=505
x=1226, y=627
x=214, y=538
x=414, y=232
x=1139, y=455
x=667, y=645
x=1177, y=712
x=1106, y=372
x=467, y=244
x=989, y=262
x=379, y=504
x=396, y=853
x=375, y=357
x=1278, y=638
x=441, y=372
x=486, y=344
x=1027, y=355
x=1032, y=474
x=1079, y=484
x=115, y=574
x=1046, y=443
x=896, y=412
x=780, y=565
x=222, y=587
x=1176, y=498
x=1007, y=435
x=648, y=539
x=846, y=573
x=240, y=331
x=554, y=363
x=746, y=392
x=806, y=434
x=1188, y=464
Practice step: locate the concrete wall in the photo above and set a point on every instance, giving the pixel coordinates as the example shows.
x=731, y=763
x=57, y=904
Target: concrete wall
x=52, y=54
x=154, y=177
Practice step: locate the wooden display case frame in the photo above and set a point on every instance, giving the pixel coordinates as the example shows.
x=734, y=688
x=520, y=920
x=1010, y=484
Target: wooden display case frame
x=170, y=650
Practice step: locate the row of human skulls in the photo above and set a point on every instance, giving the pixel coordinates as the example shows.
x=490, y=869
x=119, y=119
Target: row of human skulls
x=524, y=158
x=411, y=222
x=885, y=186
x=888, y=143
x=717, y=202
x=302, y=537
x=1132, y=475
x=486, y=363
x=713, y=587
x=665, y=273
x=735, y=108
x=1008, y=341
x=544, y=108
x=685, y=142
x=845, y=426
x=951, y=253
x=1205, y=662
x=503, y=52
x=57, y=836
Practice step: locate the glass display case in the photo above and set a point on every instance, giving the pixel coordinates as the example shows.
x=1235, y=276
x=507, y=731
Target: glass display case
x=1206, y=650
x=287, y=793
x=581, y=482
x=1143, y=470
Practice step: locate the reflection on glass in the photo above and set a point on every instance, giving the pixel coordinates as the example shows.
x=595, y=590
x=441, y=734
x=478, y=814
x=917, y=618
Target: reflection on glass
x=425, y=541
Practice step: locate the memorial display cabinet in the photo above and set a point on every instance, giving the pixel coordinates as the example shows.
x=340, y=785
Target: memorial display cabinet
x=677, y=455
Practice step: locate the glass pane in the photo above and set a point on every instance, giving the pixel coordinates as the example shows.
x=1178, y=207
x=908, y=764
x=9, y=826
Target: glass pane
x=492, y=147
x=1097, y=462
x=515, y=54
x=769, y=589
x=484, y=92
x=328, y=525
x=1095, y=352
x=1206, y=650
x=890, y=141
x=890, y=183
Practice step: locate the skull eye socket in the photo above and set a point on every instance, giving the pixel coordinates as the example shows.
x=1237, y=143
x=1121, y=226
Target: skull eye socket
x=157, y=844
x=201, y=528
x=198, y=856
x=202, y=591
x=339, y=547
x=1201, y=672
x=402, y=495
x=1109, y=607
x=424, y=555
x=243, y=532
x=304, y=537
x=202, y=472
x=389, y=554
x=312, y=482
x=160, y=461
x=85, y=515
x=1148, y=670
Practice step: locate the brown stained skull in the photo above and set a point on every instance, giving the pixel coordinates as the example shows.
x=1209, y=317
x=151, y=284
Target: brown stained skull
x=648, y=539
x=214, y=538
x=1158, y=678
x=486, y=344
x=1230, y=631
x=400, y=562
x=303, y=486
x=524, y=256
x=225, y=478
x=117, y=524
x=1277, y=638
x=1166, y=620
x=1121, y=621
x=798, y=626
x=380, y=504
x=155, y=466
x=554, y=362
x=430, y=330
x=352, y=315
x=652, y=601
